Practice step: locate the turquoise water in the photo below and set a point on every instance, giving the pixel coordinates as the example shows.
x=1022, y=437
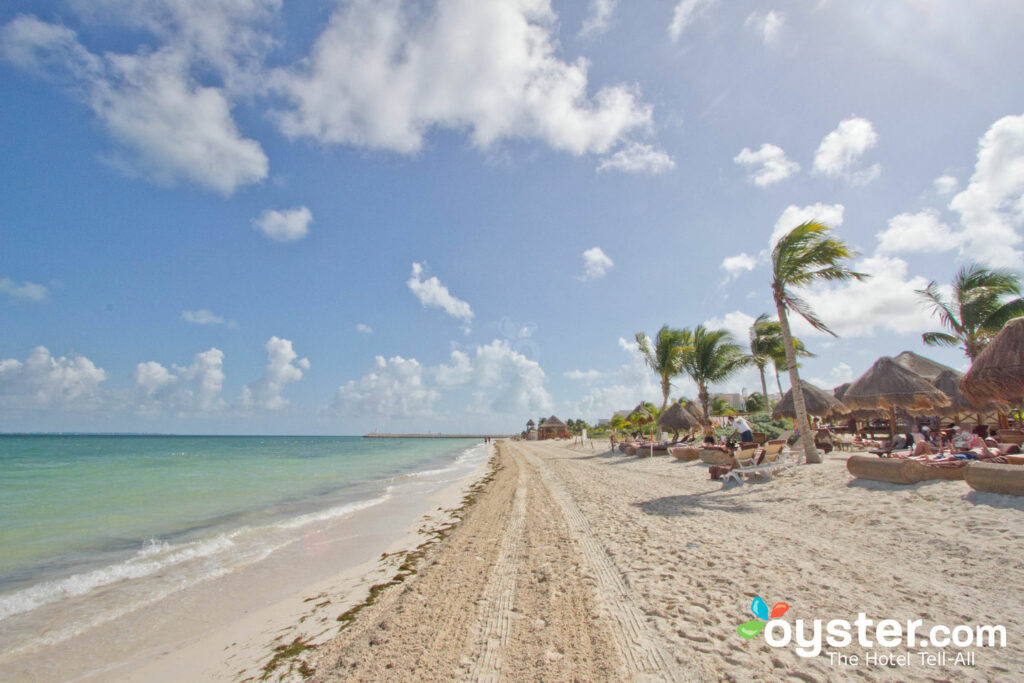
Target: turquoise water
x=80, y=513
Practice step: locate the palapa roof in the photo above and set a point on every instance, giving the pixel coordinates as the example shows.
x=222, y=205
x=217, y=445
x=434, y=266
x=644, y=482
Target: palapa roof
x=818, y=401
x=888, y=384
x=640, y=409
x=677, y=417
x=553, y=423
x=695, y=410
x=998, y=371
x=920, y=365
x=841, y=389
x=948, y=383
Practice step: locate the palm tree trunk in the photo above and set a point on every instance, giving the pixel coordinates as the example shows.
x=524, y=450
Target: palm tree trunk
x=705, y=404
x=778, y=382
x=666, y=386
x=764, y=390
x=811, y=454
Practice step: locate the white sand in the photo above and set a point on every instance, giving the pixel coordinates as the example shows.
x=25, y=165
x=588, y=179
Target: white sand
x=578, y=564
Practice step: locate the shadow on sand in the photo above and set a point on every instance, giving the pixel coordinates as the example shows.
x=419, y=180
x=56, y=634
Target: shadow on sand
x=726, y=499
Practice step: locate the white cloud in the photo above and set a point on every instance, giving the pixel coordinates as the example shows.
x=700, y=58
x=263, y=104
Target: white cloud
x=205, y=316
x=584, y=375
x=840, y=374
x=382, y=75
x=991, y=207
x=687, y=12
x=634, y=382
x=599, y=17
x=945, y=184
x=283, y=367
x=767, y=165
x=433, y=294
x=829, y=214
x=288, y=225
x=193, y=390
x=43, y=382
x=737, y=323
x=170, y=128
x=637, y=157
x=508, y=381
x=841, y=150
x=886, y=302
x=363, y=328
x=26, y=291
x=393, y=389
x=595, y=264
x=921, y=232
x=735, y=265
x=768, y=25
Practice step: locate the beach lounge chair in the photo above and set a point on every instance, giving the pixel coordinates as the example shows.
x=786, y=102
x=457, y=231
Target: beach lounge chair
x=749, y=466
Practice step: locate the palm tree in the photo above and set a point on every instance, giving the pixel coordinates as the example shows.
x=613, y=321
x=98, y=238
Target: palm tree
x=666, y=358
x=767, y=346
x=805, y=255
x=711, y=356
x=979, y=308
x=779, y=358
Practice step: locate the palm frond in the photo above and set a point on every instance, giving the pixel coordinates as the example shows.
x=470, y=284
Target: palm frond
x=939, y=339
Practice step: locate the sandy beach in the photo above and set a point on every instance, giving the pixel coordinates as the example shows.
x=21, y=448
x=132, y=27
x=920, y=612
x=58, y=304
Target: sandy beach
x=581, y=564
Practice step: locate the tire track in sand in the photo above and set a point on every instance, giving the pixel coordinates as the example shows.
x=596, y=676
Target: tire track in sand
x=494, y=618
x=642, y=656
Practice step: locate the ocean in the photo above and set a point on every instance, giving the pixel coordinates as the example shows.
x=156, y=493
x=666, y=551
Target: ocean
x=96, y=527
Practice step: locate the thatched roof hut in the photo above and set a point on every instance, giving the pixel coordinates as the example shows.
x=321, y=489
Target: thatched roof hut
x=920, y=365
x=694, y=409
x=818, y=402
x=998, y=372
x=553, y=428
x=948, y=382
x=887, y=385
x=677, y=418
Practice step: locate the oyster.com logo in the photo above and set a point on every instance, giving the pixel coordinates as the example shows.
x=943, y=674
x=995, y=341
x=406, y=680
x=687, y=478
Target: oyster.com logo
x=759, y=607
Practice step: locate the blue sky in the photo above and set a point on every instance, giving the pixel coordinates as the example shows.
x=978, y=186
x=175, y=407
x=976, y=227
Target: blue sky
x=243, y=217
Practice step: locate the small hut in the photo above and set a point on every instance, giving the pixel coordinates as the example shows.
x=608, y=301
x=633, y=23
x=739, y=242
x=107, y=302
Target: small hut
x=553, y=428
x=948, y=382
x=817, y=401
x=998, y=372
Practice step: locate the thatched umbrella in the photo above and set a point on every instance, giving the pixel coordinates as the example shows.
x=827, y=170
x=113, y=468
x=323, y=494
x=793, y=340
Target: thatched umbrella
x=676, y=418
x=695, y=411
x=818, y=402
x=948, y=382
x=640, y=416
x=920, y=365
x=998, y=372
x=887, y=385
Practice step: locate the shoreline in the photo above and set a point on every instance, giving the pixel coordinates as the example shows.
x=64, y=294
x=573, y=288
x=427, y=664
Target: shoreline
x=221, y=628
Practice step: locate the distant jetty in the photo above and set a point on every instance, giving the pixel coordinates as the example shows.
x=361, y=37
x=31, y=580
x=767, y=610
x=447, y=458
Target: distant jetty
x=379, y=435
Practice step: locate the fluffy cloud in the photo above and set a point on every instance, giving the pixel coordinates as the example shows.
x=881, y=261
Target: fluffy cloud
x=735, y=265
x=633, y=382
x=26, y=291
x=205, y=316
x=920, y=232
x=991, y=207
x=636, y=157
x=393, y=389
x=767, y=165
x=886, y=302
x=687, y=12
x=507, y=381
x=43, y=382
x=736, y=323
x=584, y=375
x=595, y=264
x=829, y=214
x=288, y=225
x=841, y=150
x=381, y=75
x=191, y=391
x=945, y=184
x=169, y=127
x=363, y=328
x=283, y=367
x=768, y=25
x=433, y=294
x=599, y=18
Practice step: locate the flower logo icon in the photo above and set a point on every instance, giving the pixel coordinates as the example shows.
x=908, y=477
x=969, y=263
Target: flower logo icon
x=759, y=607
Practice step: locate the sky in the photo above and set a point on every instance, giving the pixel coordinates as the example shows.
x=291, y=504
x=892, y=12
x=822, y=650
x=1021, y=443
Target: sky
x=246, y=216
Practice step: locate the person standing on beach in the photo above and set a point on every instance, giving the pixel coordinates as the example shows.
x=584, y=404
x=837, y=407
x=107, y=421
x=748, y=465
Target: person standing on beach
x=743, y=427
